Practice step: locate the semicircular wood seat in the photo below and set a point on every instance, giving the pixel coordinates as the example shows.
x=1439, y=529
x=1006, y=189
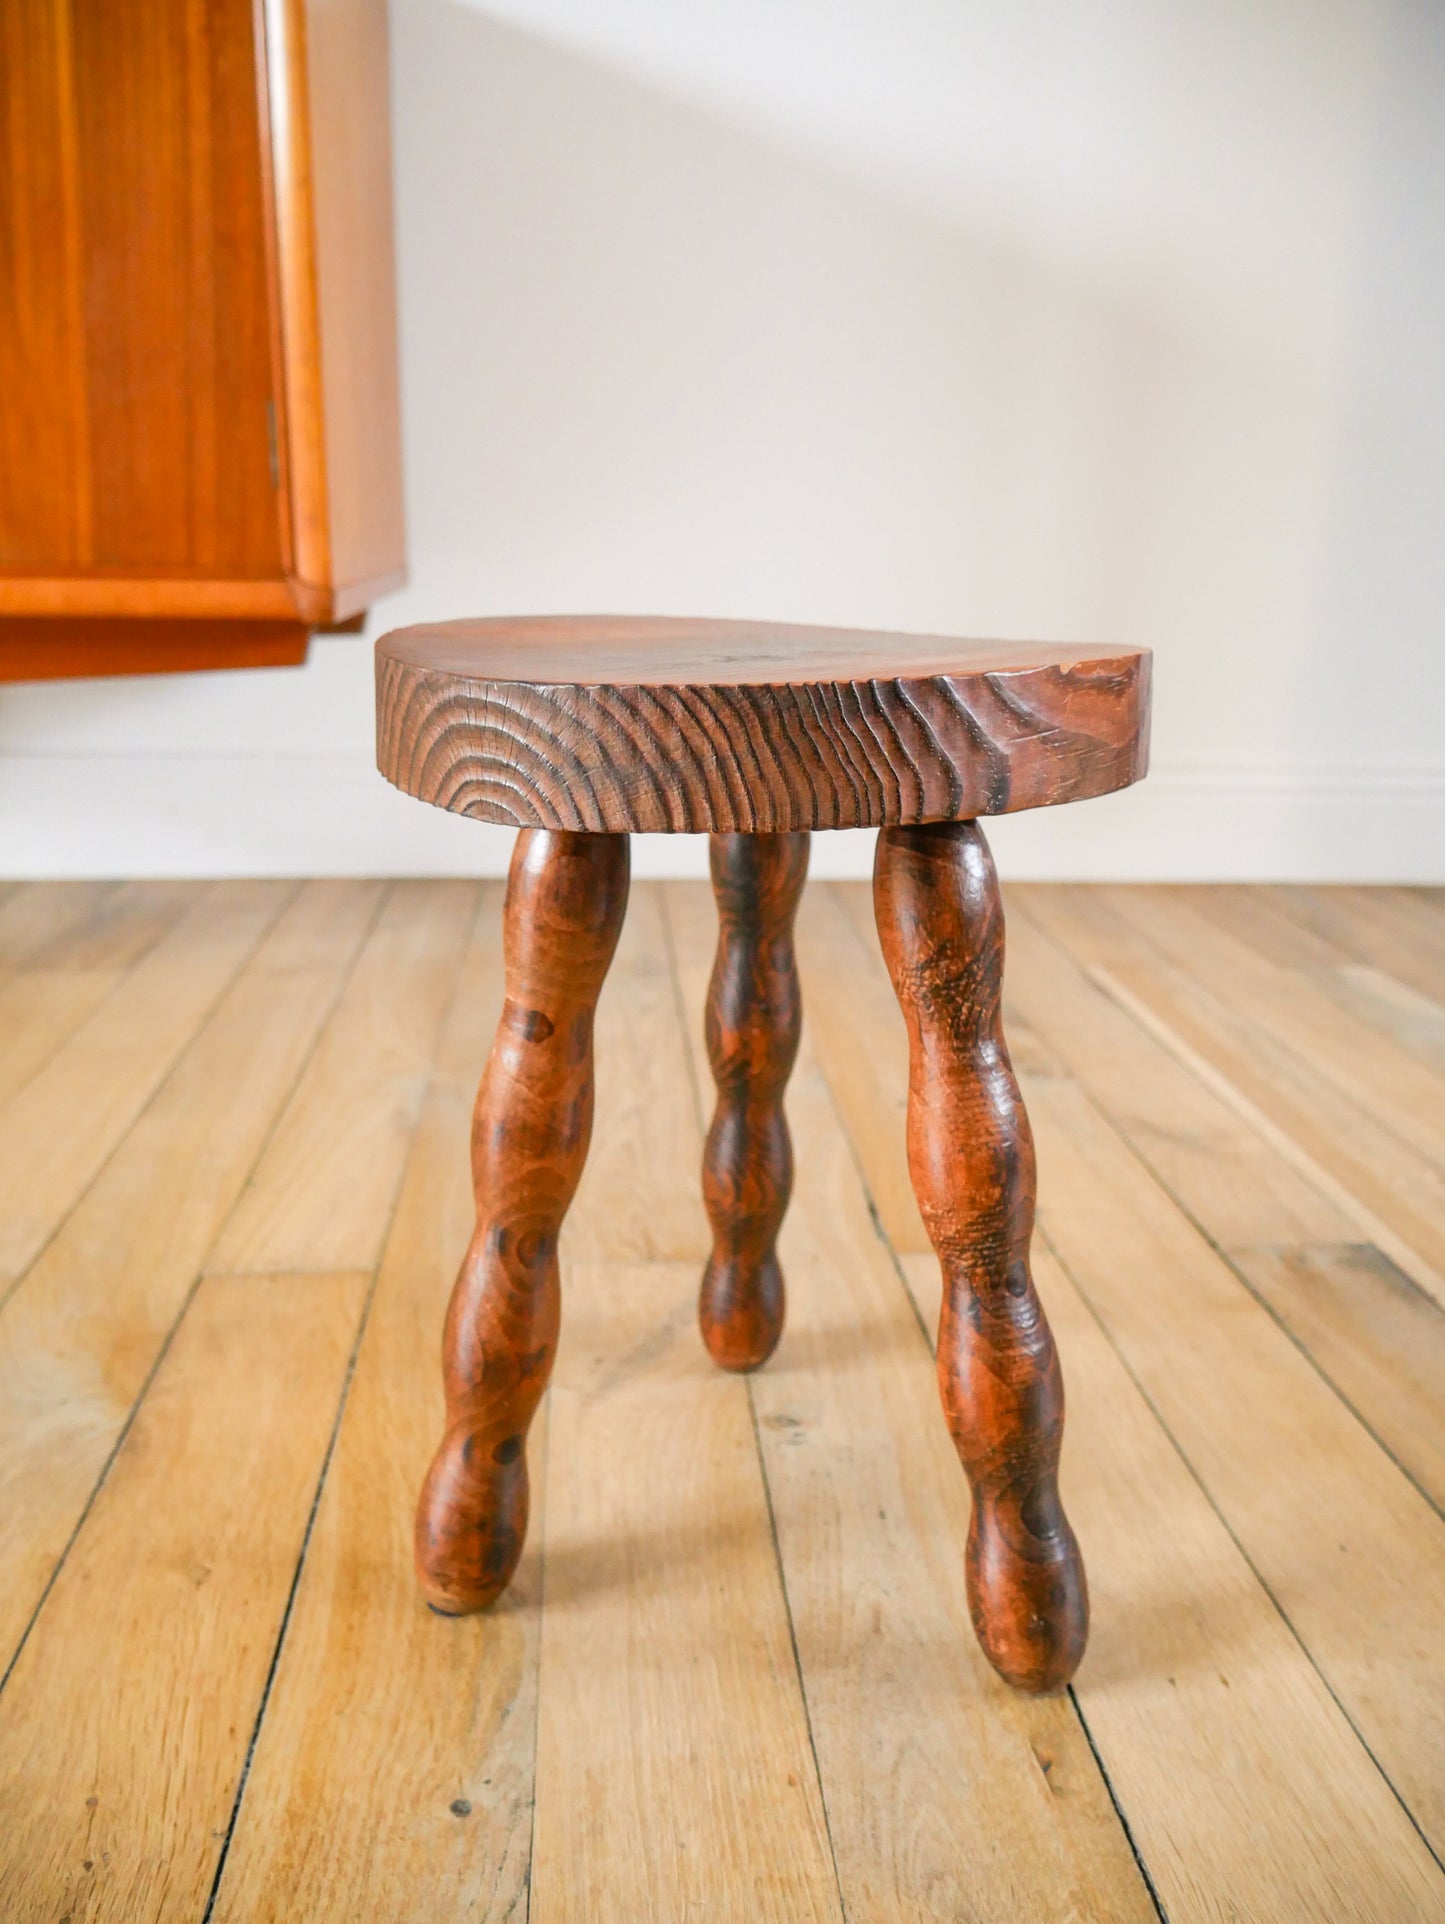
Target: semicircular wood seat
x=597, y=723
x=583, y=731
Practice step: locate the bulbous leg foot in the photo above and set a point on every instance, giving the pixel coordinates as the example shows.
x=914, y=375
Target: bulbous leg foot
x=565, y=900
x=970, y=1153
x=753, y=1021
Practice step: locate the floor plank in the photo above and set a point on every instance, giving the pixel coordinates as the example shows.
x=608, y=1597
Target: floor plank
x=705, y=1799
x=1413, y=1019
x=1233, y=1182
x=1194, y=1687
x=1365, y=1325
x=39, y=1009
x=393, y=1773
x=643, y=1208
x=57, y=1131
x=1376, y=1336
x=44, y=1002
x=1344, y=1542
x=847, y=995
x=323, y=1194
x=81, y=1332
x=948, y=1796
x=1394, y=1197
x=34, y=915
x=117, y=1774
x=1100, y=1228
x=123, y=923
x=1410, y=1017
x=1417, y=1022
x=735, y=1675
x=1199, y=931
x=1392, y=930
x=665, y=1634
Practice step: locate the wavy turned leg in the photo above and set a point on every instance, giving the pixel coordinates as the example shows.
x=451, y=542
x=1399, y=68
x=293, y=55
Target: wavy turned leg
x=565, y=900
x=971, y=1156
x=753, y=1021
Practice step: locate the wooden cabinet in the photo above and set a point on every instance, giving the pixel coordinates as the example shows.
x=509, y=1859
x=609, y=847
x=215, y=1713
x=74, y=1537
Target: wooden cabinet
x=199, y=438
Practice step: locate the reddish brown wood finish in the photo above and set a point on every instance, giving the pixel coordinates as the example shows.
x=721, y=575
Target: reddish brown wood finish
x=971, y=1156
x=62, y=647
x=754, y=1015
x=198, y=383
x=586, y=729
x=132, y=251
x=565, y=901
x=636, y=724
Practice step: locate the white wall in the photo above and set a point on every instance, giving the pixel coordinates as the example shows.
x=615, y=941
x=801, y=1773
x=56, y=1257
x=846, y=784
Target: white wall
x=1077, y=319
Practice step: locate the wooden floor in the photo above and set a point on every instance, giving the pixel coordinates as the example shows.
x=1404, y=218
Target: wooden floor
x=735, y=1678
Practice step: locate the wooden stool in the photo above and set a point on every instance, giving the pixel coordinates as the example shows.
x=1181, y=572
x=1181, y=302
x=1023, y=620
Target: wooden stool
x=584, y=731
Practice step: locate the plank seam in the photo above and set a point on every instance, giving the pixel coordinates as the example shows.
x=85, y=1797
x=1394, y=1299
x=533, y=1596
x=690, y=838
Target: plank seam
x=100, y=1481
x=674, y=972
x=901, y=1273
x=675, y=975
x=524, y=1896
x=295, y=1585
x=243, y=962
x=1204, y=1490
x=361, y=1328
x=200, y=1275
x=1119, y=1811
x=1376, y=1229
x=122, y=976
x=1301, y=1053
x=284, y=1105
x=1355, y=952
x=797, y=1659
x=1161, y=1181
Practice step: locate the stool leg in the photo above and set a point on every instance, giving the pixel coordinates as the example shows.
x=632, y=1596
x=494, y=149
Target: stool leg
x=565, y=900
x=753, y=1021
x=971, y=1156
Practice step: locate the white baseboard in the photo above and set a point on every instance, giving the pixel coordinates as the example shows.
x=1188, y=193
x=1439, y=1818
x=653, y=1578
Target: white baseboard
x=176, y=815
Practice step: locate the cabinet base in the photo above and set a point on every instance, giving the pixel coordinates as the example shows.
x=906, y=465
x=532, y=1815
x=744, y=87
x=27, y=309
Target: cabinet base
x=58, y=648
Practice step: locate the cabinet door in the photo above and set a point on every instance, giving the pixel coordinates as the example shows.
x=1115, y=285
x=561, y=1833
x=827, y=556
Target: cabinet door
x=137, y=416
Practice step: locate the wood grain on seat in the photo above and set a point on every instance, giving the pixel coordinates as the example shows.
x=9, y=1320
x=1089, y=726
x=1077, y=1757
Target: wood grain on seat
x=631, y=724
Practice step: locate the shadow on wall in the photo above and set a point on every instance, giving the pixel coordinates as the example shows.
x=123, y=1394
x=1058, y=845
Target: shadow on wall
x=653, y=362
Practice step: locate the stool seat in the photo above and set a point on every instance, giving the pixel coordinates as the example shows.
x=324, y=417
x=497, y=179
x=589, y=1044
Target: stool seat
x=629, y=724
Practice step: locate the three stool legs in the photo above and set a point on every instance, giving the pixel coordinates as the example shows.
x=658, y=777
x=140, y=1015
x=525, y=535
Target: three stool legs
x=970, y=1154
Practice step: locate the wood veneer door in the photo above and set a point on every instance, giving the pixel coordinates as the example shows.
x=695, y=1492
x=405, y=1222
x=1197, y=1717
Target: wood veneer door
x=136, y=360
